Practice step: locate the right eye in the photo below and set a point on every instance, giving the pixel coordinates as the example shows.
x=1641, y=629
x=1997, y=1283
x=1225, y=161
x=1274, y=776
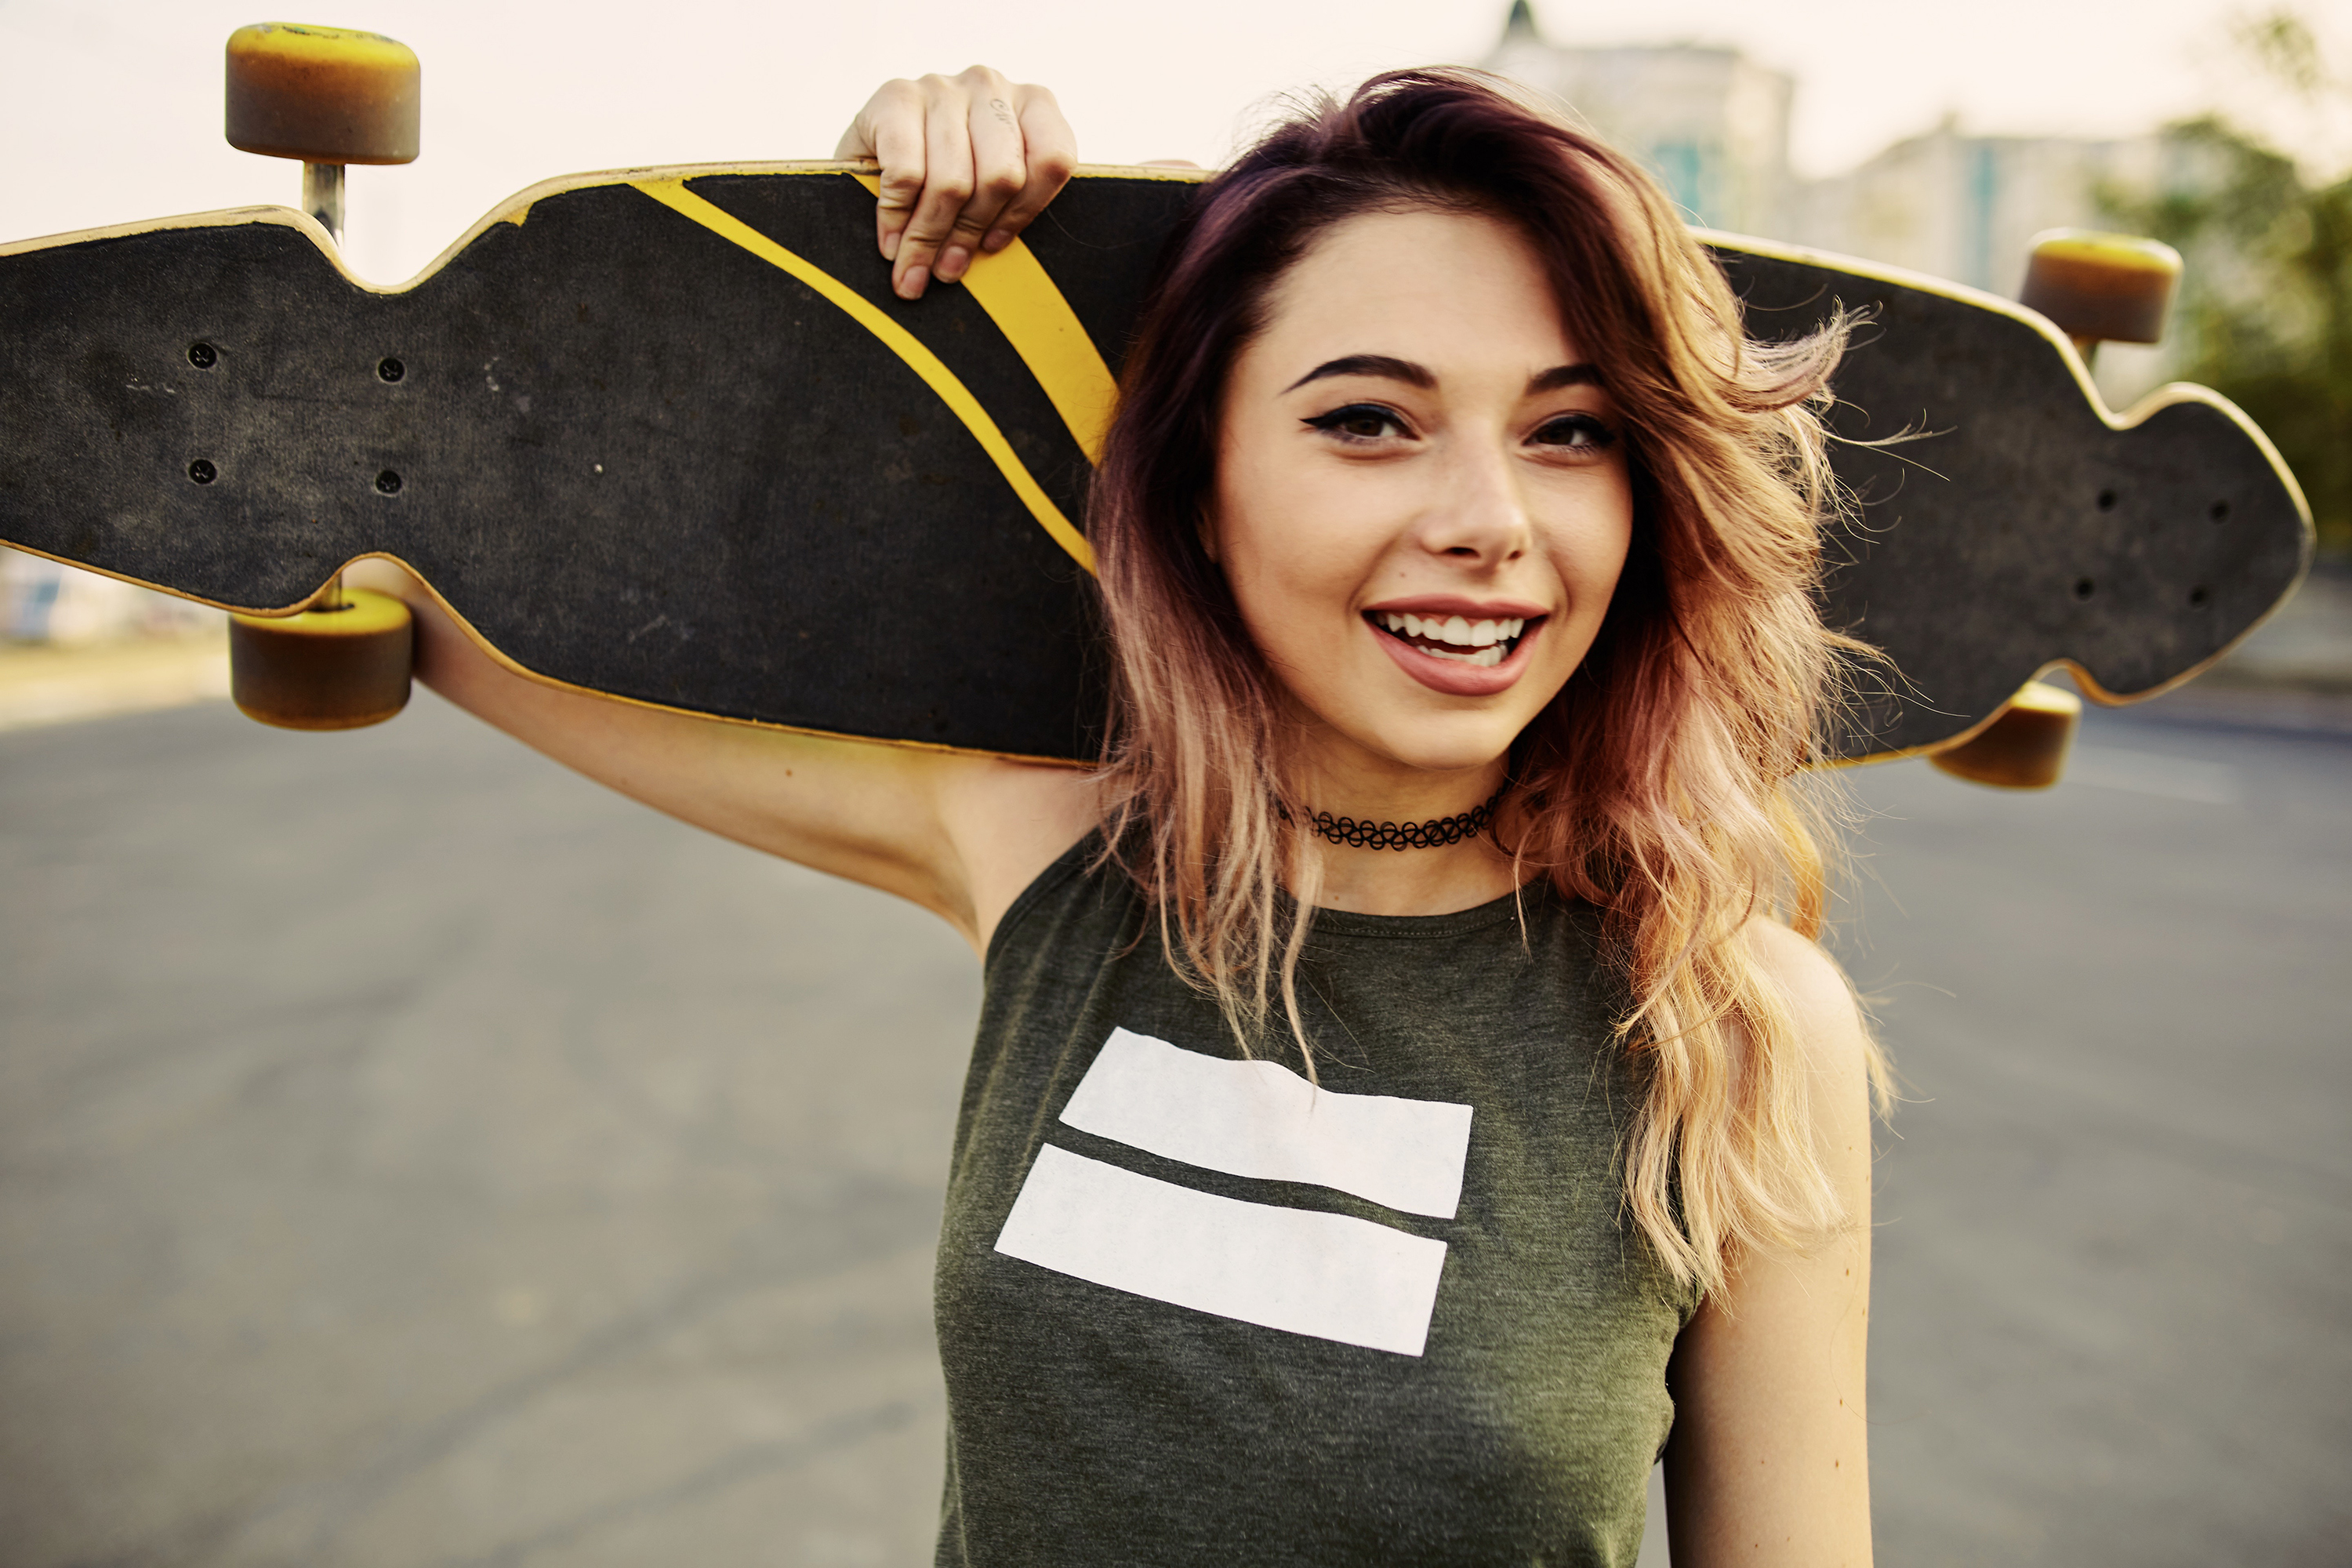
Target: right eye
x=1359, y=422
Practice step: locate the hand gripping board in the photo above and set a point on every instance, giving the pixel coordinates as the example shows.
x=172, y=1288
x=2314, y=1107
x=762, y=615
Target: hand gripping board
x=667, y=435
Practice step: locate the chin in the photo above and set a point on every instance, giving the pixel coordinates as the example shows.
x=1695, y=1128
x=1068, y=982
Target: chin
x=1443, y=747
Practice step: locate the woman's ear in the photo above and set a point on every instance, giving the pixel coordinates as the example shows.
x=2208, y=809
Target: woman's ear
x=1204, y=528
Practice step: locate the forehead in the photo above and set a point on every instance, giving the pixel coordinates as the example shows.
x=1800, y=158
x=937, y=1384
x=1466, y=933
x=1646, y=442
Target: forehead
x=1434, y=287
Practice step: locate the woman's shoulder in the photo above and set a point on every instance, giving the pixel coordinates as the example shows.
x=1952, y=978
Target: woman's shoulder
x=1821, y=1003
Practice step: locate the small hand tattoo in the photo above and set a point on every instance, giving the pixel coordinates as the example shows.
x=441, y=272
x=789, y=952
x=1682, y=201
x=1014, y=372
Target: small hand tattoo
x=1004, y=114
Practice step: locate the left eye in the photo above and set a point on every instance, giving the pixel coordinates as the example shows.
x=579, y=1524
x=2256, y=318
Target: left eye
x=1359, y=422
x=1577, y=432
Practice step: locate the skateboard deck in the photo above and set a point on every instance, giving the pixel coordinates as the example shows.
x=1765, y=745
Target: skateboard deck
x=666, y=435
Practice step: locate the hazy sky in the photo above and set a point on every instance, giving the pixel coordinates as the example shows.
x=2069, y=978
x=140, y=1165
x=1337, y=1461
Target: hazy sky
x=113, y=106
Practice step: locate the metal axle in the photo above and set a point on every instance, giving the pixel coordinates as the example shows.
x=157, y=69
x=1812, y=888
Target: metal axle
x=322, y=196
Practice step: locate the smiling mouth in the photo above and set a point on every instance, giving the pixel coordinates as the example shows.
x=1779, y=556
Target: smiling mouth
x=1482, y=644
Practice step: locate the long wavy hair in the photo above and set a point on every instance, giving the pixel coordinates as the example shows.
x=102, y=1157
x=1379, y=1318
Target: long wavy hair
x=1659, y=785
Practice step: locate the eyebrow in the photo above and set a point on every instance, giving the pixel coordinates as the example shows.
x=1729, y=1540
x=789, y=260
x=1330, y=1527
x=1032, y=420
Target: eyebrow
x=1562, y=375
x=1383, y=366
x=1391, y=368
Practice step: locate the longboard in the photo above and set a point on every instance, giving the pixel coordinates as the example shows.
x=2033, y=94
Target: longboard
x=666, y=435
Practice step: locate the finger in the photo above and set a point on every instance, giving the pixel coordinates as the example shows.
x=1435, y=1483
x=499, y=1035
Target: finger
x=889, y=130
x=947, y=186
x=998, y=175
x=1051, y=152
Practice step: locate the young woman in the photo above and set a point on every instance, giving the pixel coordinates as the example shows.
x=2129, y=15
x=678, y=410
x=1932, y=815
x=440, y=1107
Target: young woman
x=1403, y=1107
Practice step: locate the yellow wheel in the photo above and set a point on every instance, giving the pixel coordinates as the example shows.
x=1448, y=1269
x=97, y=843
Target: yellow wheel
x=323, y=669
x=2111, y=287
x=324, y=95
x=2026, y=744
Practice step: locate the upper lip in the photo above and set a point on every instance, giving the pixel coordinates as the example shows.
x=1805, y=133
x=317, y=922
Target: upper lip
x=1456, y=604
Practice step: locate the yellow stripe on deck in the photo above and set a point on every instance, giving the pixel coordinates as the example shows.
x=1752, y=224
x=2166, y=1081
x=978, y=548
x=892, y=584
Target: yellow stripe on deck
x=1020, y=296
x=953, y=391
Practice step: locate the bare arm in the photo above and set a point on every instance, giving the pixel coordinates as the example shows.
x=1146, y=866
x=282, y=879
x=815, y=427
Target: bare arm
x=959, y=834
x=966, y=162
x=1770, y=1462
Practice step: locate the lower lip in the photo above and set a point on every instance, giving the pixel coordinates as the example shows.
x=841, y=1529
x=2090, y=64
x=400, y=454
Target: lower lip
x=1454, y=677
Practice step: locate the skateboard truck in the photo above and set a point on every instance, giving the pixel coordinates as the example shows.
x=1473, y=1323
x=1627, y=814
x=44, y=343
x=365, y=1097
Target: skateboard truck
x=2101, y=287
x=2094, y=288
x=330, y=96
x=2026, y=744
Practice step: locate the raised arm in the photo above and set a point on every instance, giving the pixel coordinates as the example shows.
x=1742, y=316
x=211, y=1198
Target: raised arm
x=966, y=162
x=1770, y=1462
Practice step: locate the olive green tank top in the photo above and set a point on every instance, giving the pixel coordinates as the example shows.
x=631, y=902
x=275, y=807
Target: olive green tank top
x=1195, y=1310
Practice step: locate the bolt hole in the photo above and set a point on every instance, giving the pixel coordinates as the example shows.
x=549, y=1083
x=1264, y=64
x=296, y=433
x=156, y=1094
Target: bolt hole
x=204, y=356
x=391, y=369
x=203, y=472
x=2107, y=500
x=388, y=482
x=2198, y=598
x=2084, y=587
x=2218, y=511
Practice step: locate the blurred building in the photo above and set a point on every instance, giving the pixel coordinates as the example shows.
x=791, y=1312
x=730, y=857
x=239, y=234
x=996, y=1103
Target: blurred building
x=1713, y=125
x=1966, y=207
x=43, y=602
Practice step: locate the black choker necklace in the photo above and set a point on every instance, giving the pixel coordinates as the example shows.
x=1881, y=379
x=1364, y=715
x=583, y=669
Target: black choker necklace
x=1434, y=834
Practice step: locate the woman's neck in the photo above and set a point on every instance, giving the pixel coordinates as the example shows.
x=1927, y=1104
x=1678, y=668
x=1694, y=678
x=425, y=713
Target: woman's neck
x=1435, y=878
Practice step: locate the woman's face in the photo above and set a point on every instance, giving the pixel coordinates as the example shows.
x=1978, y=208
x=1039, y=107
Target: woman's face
x=1422, y=500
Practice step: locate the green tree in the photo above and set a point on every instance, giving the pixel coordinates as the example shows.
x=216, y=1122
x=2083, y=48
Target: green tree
x=2265, y=312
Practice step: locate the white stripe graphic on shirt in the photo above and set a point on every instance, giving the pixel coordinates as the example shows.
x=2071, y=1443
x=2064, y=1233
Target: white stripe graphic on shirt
x=1328, y=1275
x=1260, y=1119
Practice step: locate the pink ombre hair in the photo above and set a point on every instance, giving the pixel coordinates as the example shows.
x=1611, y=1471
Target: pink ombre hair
x=1659, y=785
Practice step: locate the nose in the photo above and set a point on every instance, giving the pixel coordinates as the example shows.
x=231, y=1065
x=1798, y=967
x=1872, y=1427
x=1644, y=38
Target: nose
x=1481, y=512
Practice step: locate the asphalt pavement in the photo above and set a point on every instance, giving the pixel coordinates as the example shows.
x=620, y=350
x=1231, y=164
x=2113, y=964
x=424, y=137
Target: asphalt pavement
x=410, y=1154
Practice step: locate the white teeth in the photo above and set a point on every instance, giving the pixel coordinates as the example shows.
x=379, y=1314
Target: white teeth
x=1484, y=657
x=1484, y=638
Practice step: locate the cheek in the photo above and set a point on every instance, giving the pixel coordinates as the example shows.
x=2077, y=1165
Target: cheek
x=1286, y=596
x=1286, y=551
x=1590, y=544
x=1610, y=551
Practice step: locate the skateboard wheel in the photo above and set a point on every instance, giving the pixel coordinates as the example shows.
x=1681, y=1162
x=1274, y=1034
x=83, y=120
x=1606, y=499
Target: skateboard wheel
x=324, y=95
x=2026, y=744
x=322, y=669
x=2112, y=288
